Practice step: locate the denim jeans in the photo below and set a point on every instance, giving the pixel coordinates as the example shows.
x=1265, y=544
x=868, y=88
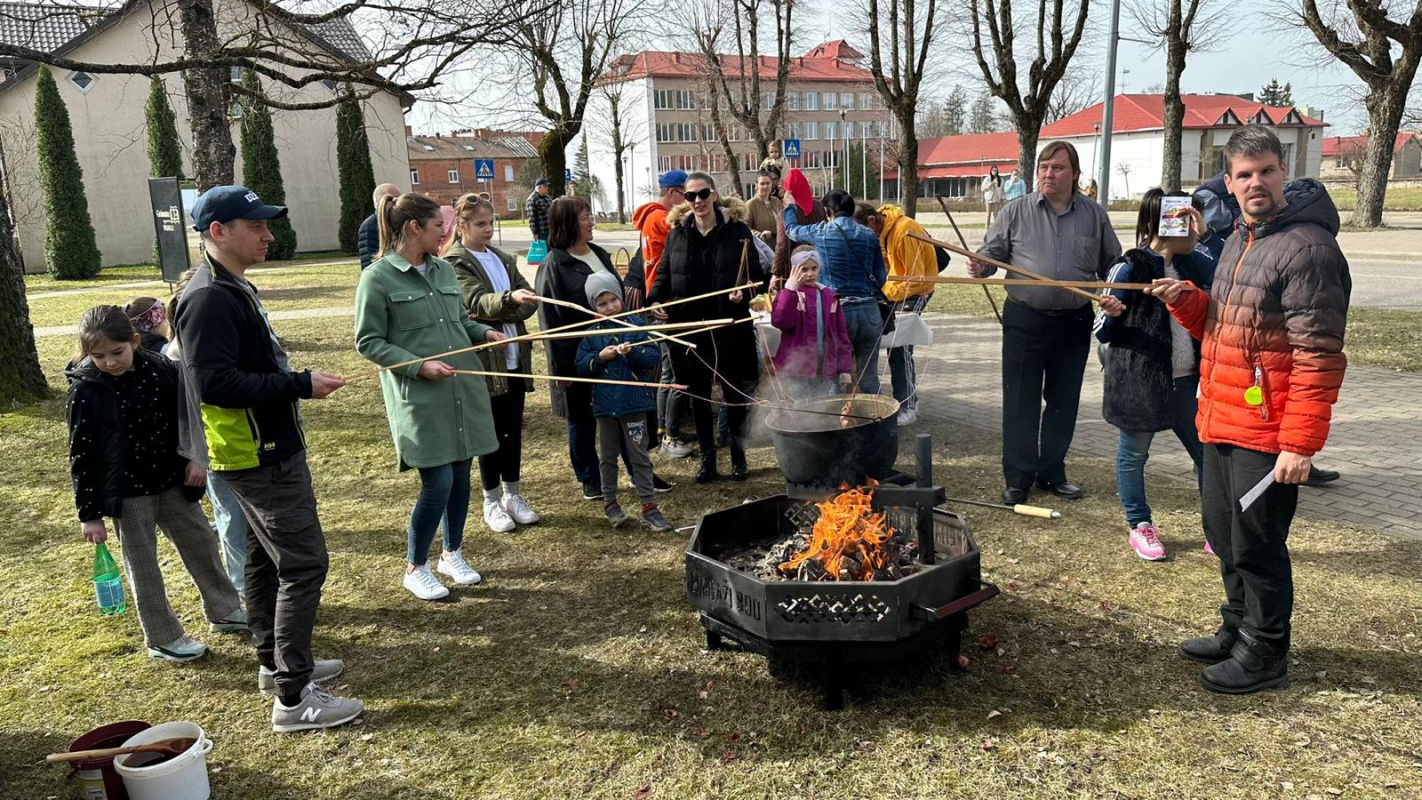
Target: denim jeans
x=1134, y=448
x=903, y=373
x=231, y=528
x=444, y=497
x=865, y=329
x=671, y=404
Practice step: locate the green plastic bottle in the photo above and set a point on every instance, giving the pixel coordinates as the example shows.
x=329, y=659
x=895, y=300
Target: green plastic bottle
x=108, y=584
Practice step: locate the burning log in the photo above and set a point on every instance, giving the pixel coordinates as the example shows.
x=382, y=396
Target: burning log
x=849, y=542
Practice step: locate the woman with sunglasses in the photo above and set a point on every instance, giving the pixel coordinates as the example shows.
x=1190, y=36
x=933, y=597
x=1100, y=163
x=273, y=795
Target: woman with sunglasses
x=704, y=254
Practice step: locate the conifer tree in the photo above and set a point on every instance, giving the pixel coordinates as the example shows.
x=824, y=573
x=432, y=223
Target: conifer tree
x=165, y=155
x=261, y=166
x=69, y=247
x=357, y=173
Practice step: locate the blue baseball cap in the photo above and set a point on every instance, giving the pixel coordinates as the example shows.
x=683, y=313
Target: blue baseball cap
x=672, y=179
x=226, y=203
x=541, y=182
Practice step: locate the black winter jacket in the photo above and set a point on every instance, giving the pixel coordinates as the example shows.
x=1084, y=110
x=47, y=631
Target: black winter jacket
x=99, y=439
x=561, y=276
x=368, y=240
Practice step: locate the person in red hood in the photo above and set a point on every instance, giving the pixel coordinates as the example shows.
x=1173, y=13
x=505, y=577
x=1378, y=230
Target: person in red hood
x=650, y=220
x=1271, y=361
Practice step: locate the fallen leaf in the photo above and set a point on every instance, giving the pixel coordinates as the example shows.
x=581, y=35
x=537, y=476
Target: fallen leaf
x=669, y=712
x=733, y=738
x=730, y=755
x=1011, y=587
x=570, y=683
x=987, y=744
x=643, y=792
x=988, y=642
x=1288, y=786
x=642, y=629
x=702, y=694
x=1005, y=669
x=963, y=662
x=367, y=737
x=436, y=650
x=1105, y=606
x=994, y=713
x=702, y=732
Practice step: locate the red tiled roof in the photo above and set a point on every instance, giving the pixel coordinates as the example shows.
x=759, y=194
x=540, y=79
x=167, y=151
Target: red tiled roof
x=1145, y=112
x=814, y=66
x=837, y=48
x=964, y=156
x=1333, y=145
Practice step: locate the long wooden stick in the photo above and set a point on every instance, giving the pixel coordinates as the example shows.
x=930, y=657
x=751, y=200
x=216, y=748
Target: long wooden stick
x=622, y=322
x=668, y=326
x=606, y=381
x=963, y=240
x=745, y=251
x=528, y=337
x=1022, y=282
x=1095, y=298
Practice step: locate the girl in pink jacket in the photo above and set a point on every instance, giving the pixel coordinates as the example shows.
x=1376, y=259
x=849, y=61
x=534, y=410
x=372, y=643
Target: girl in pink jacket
x=814, y=356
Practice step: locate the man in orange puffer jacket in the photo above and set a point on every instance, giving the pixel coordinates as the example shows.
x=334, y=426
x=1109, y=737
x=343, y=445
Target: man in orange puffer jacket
x=1272, y=360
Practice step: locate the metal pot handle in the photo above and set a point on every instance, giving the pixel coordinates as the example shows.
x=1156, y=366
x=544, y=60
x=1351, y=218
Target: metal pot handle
x=986, y=591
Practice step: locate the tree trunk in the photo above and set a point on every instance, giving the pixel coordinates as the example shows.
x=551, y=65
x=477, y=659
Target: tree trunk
x=733, y=164
x=621, y=193
x=1385, y=108
x=908, y=159
x=1029, y=131
x=209, y=97
x=552, y=152
x=23, y=380
x=1174, y=109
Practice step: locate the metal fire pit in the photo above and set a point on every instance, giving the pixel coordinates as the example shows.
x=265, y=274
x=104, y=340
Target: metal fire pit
x=838, y=625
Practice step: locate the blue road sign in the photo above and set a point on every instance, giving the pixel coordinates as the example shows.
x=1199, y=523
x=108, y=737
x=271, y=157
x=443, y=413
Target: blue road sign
x=567, y=176
x=790, y=148
x=484, y=169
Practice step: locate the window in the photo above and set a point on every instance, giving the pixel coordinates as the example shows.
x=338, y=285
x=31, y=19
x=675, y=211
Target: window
x=868, y=101
x=329, y=84
x=792, y=101
x=812, y=101
x=454, y=174
x=235, y=112
x=513, y=204
x=663, y=163
x=235, y=74
x=673, y=100
x=414, y=177
x=767, y=100
x=508, y=173
x=831, y=101
x=846, y=101
x=82, y=81
x=677, y=132
x=812, y=130
x=831, y=130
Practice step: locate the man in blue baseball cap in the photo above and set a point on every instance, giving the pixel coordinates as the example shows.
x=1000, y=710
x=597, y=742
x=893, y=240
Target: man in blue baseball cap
x=239, y=383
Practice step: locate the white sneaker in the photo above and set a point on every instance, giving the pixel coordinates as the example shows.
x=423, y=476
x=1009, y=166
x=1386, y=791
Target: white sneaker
x=673, y=447
x=517, y=507
x=181, y=649
x=908, y=416
x=317, y=709
x=454, y=565
x=497, y=518
x=424, y=585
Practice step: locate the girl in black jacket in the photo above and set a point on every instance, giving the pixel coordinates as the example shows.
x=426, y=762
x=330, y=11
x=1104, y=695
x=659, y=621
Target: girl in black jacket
x=123, y=459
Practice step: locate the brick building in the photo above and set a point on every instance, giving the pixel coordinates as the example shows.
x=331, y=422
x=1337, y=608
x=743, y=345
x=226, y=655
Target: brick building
x=442, y=167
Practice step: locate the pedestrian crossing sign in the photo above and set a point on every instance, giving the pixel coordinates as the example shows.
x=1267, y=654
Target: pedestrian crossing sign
x=790, y=148
x=484, y=169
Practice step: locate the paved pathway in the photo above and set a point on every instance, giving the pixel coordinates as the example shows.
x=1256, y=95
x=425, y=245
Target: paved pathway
x=1376, y=439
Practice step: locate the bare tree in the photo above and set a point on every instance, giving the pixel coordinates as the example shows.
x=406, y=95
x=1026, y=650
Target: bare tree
x=1178, y=27
x=400, y=48
x=721, y=127
x=563, y=53
x=902, y=30
x=616, y=130
x=1058, y=36
x=736, y=83
x=1384, y=53
x=1078, y=90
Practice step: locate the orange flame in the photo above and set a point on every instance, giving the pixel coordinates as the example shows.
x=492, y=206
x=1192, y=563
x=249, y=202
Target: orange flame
x=847, y=527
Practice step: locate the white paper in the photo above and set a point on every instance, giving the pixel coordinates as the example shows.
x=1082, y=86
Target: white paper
x=1253, y=494
x=1174, y=216
x=909, y=329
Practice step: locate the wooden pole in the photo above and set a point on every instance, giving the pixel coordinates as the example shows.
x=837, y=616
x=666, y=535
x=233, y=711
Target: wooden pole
x=991, y=300
x=1001, y=265
x=605, y=381
x=1023, y=282
x=601, y=318
x=669, y=326
x=529, y=337
x=741, y=273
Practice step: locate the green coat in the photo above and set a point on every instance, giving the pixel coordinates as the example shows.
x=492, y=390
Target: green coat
x=402, y=315
x=486, y=305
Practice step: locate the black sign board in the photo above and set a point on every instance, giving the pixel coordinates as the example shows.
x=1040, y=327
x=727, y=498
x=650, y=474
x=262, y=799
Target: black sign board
x=169, y=226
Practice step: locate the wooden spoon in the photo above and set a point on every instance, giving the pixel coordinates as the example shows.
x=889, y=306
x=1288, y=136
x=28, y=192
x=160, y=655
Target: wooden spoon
x=172, y=747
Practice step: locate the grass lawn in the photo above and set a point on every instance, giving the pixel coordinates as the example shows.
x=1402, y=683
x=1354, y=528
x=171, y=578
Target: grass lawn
x=577, y=670
x=1399, y=197
x=1377, y=337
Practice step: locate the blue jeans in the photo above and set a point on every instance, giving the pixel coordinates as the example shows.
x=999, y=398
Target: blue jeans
x=1134, y=449
x=671, y=404
x=444, y=497
x=861, y=317
x=231, y=528
x=903, y=374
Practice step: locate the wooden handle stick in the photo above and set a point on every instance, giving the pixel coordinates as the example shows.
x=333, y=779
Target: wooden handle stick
x=1021, y=282
x=741, y=273
x=669, y=326
x=606, y=381
x=1095, y=298
x=624, y=323
x=961, y=239
x=529, y=337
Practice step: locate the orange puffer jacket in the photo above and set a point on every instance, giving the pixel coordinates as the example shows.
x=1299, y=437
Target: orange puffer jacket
x=1274, y=318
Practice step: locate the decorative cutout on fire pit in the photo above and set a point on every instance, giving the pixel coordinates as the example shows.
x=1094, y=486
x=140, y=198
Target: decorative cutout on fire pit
x=815, y=609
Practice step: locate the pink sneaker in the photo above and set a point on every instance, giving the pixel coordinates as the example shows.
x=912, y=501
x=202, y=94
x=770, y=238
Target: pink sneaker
x=1209, y=549
x=1145, y=540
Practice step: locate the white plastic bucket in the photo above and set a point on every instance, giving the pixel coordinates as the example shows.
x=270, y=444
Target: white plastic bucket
x=182, y=777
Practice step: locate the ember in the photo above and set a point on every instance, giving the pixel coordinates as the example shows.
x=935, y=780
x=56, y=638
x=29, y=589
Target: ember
x=848, y=540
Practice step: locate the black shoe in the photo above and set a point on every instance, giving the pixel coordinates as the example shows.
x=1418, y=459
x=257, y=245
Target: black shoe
x=1210, y=649
x=592, y=491
x=1317, y=477
x=708, y=472
x=1252, y=665
x=739, y=470
x=1065, y=489
x=1014, y=496
x=661, y=486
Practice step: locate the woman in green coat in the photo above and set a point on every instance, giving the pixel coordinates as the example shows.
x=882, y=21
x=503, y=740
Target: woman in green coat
x=495, y=293
x=408, y=305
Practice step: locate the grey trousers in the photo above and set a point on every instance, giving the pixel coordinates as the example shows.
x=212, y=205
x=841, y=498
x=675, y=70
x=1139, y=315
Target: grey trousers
x=286, y=565
x=187, y=528
x=627, y=435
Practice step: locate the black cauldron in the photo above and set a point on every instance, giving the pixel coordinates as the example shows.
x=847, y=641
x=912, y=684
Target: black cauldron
x=837, y=440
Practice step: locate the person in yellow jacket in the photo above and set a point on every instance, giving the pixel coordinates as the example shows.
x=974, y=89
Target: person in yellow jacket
x=903, y=255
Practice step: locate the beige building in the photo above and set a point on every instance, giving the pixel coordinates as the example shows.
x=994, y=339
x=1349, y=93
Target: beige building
x=107, y=115
x=1343, y=157
x=830, y=99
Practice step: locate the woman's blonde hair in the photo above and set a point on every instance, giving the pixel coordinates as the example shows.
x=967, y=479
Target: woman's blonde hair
x=466, y=208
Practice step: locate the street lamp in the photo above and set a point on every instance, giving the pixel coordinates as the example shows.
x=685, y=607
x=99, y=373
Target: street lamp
x=844, y=136
x=1094, y=140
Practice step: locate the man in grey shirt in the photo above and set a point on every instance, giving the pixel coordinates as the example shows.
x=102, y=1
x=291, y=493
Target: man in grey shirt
x=1058, y=233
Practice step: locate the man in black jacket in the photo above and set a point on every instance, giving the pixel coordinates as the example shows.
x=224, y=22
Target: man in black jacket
x=241, y=383
x=368, y=237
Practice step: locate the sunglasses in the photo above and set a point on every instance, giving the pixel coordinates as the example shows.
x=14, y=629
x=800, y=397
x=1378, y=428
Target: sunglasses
x=700, y=194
